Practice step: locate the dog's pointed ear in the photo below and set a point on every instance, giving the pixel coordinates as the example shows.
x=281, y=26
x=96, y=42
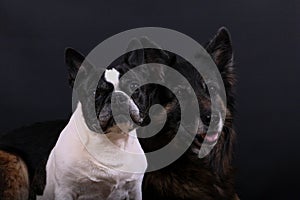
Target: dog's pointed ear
x=161, y=55
x=73, y=59
x=220, y=49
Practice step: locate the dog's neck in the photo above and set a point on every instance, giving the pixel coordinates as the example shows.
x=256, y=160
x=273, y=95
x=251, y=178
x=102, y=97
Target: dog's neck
x=114, y=149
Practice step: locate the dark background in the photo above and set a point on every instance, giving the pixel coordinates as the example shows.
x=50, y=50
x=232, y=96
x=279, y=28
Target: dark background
x=265, y=34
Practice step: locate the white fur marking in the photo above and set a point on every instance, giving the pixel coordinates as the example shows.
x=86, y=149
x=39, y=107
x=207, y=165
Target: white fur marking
x=220, y=124
x=112, y=76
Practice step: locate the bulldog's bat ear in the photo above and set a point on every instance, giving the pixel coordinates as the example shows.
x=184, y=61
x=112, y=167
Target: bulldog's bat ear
x=135, y=57
x=220, y=49
x=73, y=59
x=156, y=55
x=161, y=54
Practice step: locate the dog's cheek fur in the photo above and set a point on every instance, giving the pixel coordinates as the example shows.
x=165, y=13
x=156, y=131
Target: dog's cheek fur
x=14, y=180
x=220, y=49
x=220, y=157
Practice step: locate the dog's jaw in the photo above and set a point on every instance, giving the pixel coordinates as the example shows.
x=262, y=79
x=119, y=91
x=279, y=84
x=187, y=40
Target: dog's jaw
x=213, y=136
x=125, y=125
x=89, y=137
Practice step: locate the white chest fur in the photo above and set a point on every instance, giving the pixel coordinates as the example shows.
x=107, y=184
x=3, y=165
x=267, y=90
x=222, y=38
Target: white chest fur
x=88, y=165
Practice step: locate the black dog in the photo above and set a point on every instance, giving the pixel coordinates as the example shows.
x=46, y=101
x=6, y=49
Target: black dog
x=190, y=177
x=187, y=178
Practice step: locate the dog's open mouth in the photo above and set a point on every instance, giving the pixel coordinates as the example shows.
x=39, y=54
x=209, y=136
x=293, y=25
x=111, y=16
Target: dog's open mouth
x=202, y=135
x=210, y=138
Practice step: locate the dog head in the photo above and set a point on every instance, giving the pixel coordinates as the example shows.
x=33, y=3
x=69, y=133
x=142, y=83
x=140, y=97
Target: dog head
x=220, y=50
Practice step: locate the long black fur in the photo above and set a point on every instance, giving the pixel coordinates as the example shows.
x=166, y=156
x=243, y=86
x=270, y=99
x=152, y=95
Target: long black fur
x=189, y=177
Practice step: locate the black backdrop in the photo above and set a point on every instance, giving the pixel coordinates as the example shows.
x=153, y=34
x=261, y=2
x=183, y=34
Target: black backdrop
x=266, y=36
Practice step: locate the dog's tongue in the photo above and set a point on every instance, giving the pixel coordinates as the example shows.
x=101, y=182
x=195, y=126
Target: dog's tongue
x=212, y=137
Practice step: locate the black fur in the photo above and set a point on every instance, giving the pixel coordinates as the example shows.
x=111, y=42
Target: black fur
x=189, y=177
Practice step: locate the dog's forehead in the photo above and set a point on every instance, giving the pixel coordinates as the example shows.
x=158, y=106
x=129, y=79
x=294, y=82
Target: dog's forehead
x=112, y=76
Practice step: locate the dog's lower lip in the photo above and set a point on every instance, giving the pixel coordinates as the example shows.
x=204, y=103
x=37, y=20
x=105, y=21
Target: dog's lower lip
x=209, y=139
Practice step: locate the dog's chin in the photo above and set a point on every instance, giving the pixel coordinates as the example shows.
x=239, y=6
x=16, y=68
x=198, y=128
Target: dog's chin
x=119, y=129
x=200, y=136
x=210, y=139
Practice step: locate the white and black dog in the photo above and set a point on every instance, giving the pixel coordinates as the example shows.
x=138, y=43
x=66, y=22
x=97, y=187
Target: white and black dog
x=73, y=172
x=84, y=164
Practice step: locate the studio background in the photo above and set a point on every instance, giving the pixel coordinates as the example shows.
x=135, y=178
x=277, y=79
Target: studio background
x=265, y=34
